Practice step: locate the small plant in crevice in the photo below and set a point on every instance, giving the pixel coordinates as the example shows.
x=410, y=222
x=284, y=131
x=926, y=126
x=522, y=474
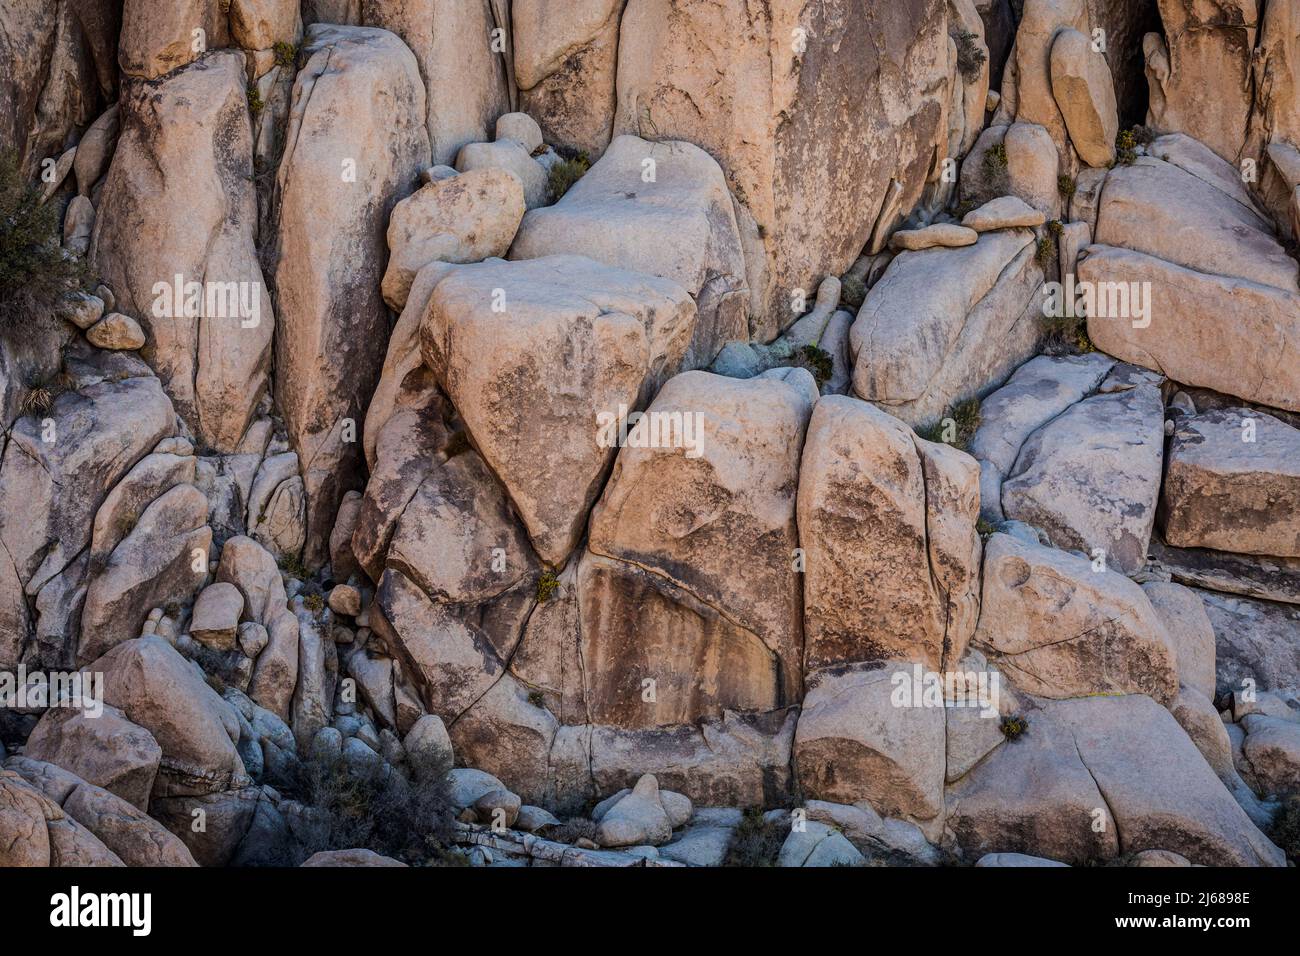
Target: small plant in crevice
x=255, y=104
x=853, y=291
x=1066, y=186
x=546, y=586
x=1014, y=726
x=565, y=173
x=536, y=698
x=957, y=426
x=756, y=842
x=817, y=361
x=984, y=528
x=1045, y=254
x=1067, y=335
x=970, y=55
x=35, y=272
x=285, y=53
x=314, y=602
x=291, y=564
x=1126, y=145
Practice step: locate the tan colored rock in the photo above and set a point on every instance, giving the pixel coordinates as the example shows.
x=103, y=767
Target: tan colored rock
x=1233, y=484
x=252, y=569
x=1273, y=748
x=1160, y=790
x=884, y=579
x=350, y=858
x=854, y=743
x=330, y=247
x=211, y=350
x=1061, y=629
x=155, y=565
x=719, y=524
x=1005, y=212
x=159, y=690
x=1224, y=333
x=1041, y=22
x=216, y=615
x=939, y=234
x=509, y=736
x=116, y=331
x=157, y=40
x=467, y=218
x=107, y=750
x=1159, y=209
x=1183, y=614
x=78, y=228
x=508, y=155
x=783, y=119
x=522, y=128
x=592, y=343
x=1085, y=95
x=1091, y=476
x=565, y=61
x=678, y=223
x=152, y=476
x=944, y=325
x=1032, y=167
x=463, y=71
x=24, y=840
x=1200, y=84
x=260, y=24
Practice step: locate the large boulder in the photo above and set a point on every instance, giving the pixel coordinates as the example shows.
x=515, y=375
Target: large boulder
x=1064, y=629
x=184, y=262
x=336, y=186
x=660, y=208
x=1233, y=484
x=855, y=743
x=710, y=511
x=160, y=691
x=164, y=560
x=1085, y=95
x=774, y=91
x=253, y=570
x=887, y=526
x=105, y=750
x=1090, y=477
x=59, y=469
x=944, y=325
x=1216, y=331
x=587, y=343
x=462, y=63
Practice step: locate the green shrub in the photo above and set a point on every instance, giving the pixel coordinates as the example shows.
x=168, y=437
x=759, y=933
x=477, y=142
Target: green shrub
x=285, y=53
x=970, y=57
x=255, y=104
x=407, y=819
x=1014, y=725
x=1045, y=255
x=546, y=586
x=995, y=159
x=965, y=419
x=34, y=272
x=1126, y=144
x=756, y=842
x=817, y=361
x=853, y=292
x=565, y=173
x=1066, y=186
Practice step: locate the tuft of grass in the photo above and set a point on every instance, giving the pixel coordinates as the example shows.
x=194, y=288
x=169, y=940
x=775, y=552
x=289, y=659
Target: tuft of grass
x=291, y=564
x=995, y=159
x=755, y=842
x=536, y=698
x=961, y=421
x=1014, y=725
x=35, y=274
x=1068, y=335
x=1285, y=830
x=970, y=58
x=565, y=173
x=285, y=53
x=1066, y=186
x=1045, y=255
x=255, y=104
x=314, y=602
x=819, y=362
x=546, y=586
x=983, y=528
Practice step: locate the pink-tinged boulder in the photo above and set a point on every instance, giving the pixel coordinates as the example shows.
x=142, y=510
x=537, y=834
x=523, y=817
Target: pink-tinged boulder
x=337, y=184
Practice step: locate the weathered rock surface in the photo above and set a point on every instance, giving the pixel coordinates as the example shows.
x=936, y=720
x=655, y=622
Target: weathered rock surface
x=106, y=750
x=672, y=219
x=1085, y=95
x=1233, y=484
x=335, y=188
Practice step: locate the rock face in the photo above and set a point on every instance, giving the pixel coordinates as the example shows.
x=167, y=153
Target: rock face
x=887, y=525
x=1085, y=94
x=782, y=123
x=1064, y=630
x=660, y=208
x=107, y=751
x=584, y=359
x=678, y=521
x=1091, y=476
x=1233, y=484
x=335, y=188
x=183, y=262
x=944, y=325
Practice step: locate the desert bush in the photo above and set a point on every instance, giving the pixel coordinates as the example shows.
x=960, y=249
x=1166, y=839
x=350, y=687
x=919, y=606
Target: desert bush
x=965, y=419
x=970, y=58
x=817, y=361
x=755, y=842
x=35, y=274
x=565, y=173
